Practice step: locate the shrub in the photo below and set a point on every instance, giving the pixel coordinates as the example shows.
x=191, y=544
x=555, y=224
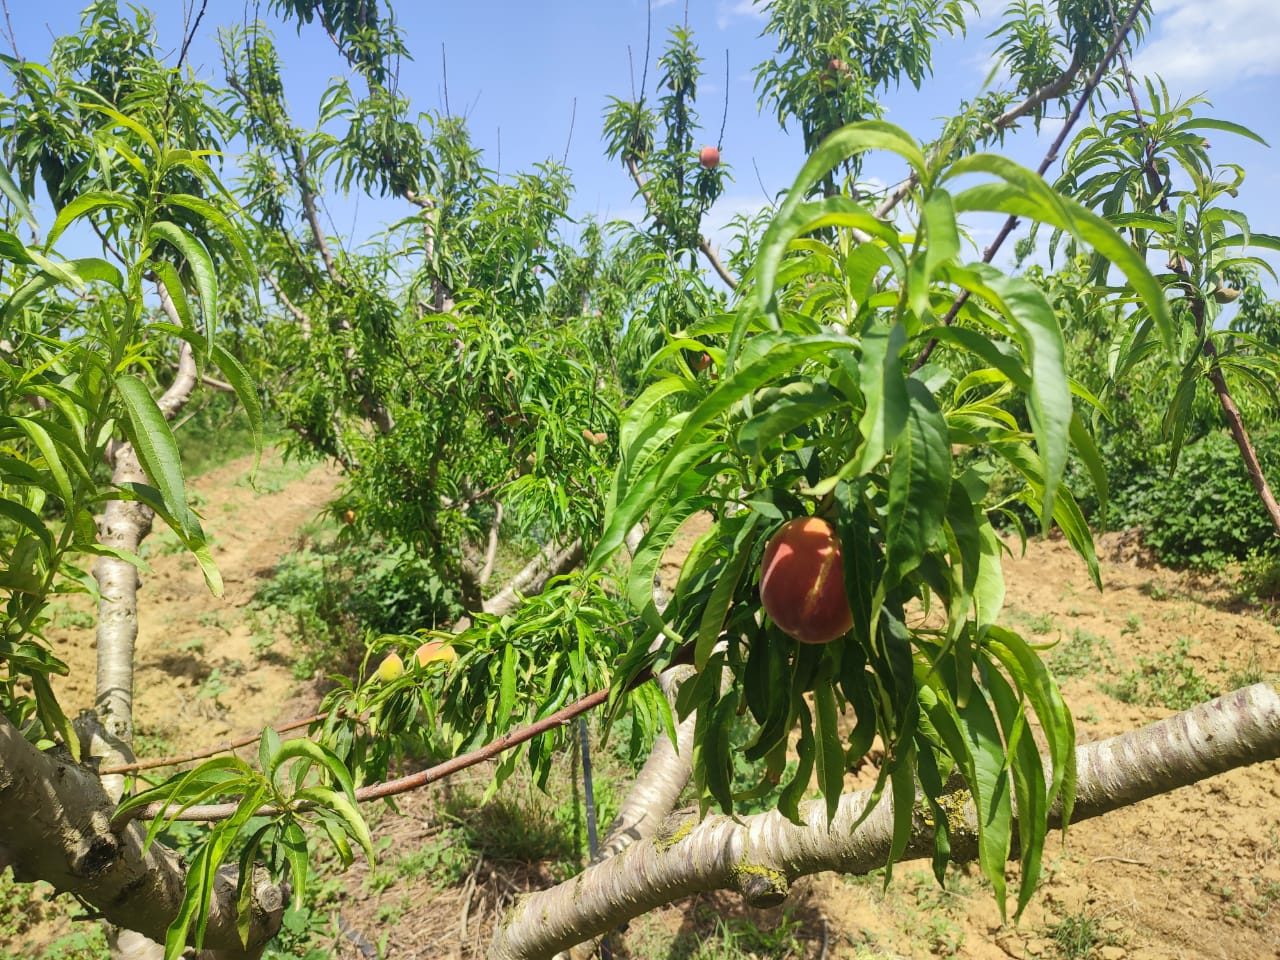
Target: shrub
x=327, y=597
x=1206, y=511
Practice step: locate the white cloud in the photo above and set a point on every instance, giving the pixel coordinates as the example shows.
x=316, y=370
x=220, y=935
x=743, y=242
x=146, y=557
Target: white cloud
x=729, y=10
x=1198, y=42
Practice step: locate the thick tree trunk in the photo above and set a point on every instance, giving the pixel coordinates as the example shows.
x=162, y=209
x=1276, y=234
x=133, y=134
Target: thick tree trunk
x=123, y=525
x=761, y=855
x=55, y=825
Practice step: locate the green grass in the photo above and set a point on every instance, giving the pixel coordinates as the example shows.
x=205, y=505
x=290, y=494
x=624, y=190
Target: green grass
x=1166, y=679
x=1083, y=654
x=441, y=861
x=1075, y=936
x=24, y=906
x=715, y=937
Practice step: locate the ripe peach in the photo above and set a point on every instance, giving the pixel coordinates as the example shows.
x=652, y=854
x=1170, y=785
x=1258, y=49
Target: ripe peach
x=802, y=582
x=348, y=516
x=703, y=361
x=435, y=650
x=709, y=157
x=391, y=668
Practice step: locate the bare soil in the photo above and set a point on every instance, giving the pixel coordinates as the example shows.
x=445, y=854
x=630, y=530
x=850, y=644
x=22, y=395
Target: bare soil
x=1195, y=874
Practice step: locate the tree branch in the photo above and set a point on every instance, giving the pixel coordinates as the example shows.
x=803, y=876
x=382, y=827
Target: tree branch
x=1054, y=88
x=551, y=561
x=55, y=825
x=761, y=855
x=304, y=321
x=491, y=550
x=703, y=243
x=303, y=179
x=1091, y=84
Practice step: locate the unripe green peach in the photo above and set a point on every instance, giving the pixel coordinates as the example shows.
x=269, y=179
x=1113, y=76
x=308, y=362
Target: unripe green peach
x=802, y=582
x=391, y=668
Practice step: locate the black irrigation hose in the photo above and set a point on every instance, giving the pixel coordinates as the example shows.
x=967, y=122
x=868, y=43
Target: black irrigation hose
x=588, y=792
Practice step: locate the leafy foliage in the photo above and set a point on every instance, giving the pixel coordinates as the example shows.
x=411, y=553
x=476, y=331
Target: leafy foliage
x=1205, y=511
x=121, y=144
x=478, y=368
x=808, y=419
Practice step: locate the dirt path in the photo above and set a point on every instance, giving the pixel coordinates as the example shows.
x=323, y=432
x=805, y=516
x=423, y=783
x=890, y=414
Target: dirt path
x=199, y=679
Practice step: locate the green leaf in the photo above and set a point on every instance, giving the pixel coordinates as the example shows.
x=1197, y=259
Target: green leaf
x=301, y=747
x=830, y=749
x=26, y=518
x=11, y=248
x=991, y=792
x=713, y=615
x=938, y=217
x=39, y=436
x=51, y=714
x=507, y=685
x=201, y=266
x=640, y=496
x=1025, y=194
x=245, y=885
x=902, y=780
x=798, y=403
x=246, y=390
x=223, y=223
x=294, y=842
x=919, y=482
x=790, y=796
x=85, y=204
x=346, y=811
x=1049, y=405
x=711, y=748
x=1082, y=440
x=268, y=747
x=145, y=135
x=156, y=448
x=17, y=198
x=168, y=275
x=988, y=590
x=1209, y=123
x=796, y=211
x=1035, y=683
x=73, y=272
x=1028, y=785
x=884, y=390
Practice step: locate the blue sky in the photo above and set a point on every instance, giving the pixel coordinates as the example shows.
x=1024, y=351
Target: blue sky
x=515, y=70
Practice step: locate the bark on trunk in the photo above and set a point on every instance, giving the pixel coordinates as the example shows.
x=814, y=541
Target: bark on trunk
x=551, y=561
x=653, y=794
x=761, y=855
x=123, y=525
x=55, y=825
